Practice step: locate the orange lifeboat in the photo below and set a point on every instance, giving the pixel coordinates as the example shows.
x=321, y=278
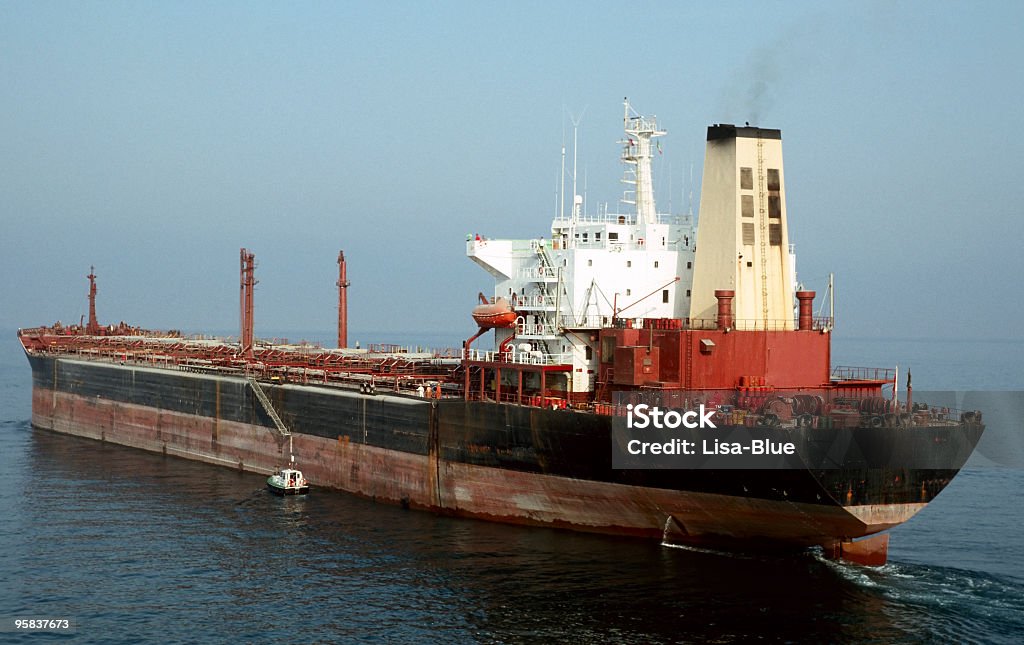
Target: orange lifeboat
x=494, y=314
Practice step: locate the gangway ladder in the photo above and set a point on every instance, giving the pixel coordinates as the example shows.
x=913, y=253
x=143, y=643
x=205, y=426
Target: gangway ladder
x=282, y=430
x=546, y=265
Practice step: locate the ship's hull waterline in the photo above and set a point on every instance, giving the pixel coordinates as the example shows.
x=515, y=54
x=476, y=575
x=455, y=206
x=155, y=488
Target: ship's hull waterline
x=513, y=464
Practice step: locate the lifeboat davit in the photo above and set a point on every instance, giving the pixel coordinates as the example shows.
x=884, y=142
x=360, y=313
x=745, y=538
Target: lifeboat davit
x=490, y=315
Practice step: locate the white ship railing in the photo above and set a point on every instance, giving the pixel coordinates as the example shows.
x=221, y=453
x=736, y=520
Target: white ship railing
x=617, y=246
x=536, y=329
x=535, y=357
x=622, y=218
x=535, y=301
x=595, y=321
x=536, y=273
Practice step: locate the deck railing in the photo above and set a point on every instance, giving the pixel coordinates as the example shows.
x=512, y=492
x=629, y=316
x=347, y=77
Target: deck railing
x=845, y=373
x=520, y=358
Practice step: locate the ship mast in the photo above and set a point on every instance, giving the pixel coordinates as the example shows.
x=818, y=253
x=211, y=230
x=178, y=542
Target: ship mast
x=94, y=326
x=342, y=284
x=247, y=284
x=636, y=152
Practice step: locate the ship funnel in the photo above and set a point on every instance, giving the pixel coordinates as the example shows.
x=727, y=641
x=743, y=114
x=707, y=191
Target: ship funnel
x=806, y=298
x=742, y=241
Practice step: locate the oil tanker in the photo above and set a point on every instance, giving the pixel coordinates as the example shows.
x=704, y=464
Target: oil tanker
x=611, y=311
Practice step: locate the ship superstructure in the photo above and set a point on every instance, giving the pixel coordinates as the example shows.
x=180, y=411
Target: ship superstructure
x=593, y=269
x=597, y=270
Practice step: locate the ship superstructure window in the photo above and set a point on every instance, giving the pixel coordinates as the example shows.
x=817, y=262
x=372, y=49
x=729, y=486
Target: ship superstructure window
x=748, y=233
x=590, y=352
x=664, y=295
x=608, y=349
x=689, y=265
x=597, y=236
x=747, y=205
x=773, y=179
x=746, y=179
x=774, y=206
x=629, y=263
x=655, y=264
x=590, y=263
x=629, y=292
x=584, y=237
x=687, y=293
x=775, y=234
x=613, y=237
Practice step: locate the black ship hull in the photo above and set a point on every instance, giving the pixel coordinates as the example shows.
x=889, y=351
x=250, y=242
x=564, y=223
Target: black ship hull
x=494, y=461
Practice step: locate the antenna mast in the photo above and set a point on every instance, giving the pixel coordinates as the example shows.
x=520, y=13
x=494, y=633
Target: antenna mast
x=690, y=200
x=561, y=191
x=577, y=202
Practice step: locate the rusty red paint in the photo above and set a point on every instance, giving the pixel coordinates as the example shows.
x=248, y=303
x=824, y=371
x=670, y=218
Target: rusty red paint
x=431, y=483
x=248, y=285
x=343, y=285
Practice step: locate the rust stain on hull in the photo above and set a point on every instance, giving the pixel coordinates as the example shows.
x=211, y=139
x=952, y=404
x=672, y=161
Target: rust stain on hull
x=432, y=483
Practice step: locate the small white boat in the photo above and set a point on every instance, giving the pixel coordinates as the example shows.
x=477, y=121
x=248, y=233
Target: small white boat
x=288, y=481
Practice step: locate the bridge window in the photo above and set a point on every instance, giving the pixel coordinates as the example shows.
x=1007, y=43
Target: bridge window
x=664, y=295
x=746, y=179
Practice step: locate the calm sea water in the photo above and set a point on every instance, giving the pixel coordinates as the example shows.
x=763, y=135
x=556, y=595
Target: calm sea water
x=136, y=547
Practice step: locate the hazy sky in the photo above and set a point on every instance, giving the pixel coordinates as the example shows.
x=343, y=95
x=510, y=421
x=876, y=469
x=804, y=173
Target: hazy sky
x=153, y=139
